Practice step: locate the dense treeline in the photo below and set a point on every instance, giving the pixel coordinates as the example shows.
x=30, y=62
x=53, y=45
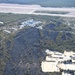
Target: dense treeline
x=21, y=53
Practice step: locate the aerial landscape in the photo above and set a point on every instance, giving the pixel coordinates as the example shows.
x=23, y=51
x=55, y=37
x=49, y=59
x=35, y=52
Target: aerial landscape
x=37, y=37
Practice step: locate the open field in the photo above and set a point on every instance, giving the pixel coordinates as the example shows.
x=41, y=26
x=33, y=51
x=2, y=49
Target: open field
x=30, y=9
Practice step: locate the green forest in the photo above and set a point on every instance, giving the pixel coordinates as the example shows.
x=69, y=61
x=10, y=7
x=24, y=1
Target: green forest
x=28, y=45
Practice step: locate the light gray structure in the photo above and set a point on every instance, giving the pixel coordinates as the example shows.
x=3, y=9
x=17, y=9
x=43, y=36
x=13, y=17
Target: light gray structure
x=59, y=62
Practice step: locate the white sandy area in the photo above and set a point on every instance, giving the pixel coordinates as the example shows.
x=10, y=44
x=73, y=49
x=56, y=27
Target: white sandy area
x=29, y=9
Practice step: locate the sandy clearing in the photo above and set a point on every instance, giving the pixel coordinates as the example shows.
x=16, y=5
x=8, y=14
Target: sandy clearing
x=67, y=15
x=29, y=9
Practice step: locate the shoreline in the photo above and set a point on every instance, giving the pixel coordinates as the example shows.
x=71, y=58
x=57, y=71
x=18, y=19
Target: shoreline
x=30, y=9
x=35, y=4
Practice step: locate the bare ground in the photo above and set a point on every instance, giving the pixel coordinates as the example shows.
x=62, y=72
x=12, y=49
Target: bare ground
x=29, y=9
